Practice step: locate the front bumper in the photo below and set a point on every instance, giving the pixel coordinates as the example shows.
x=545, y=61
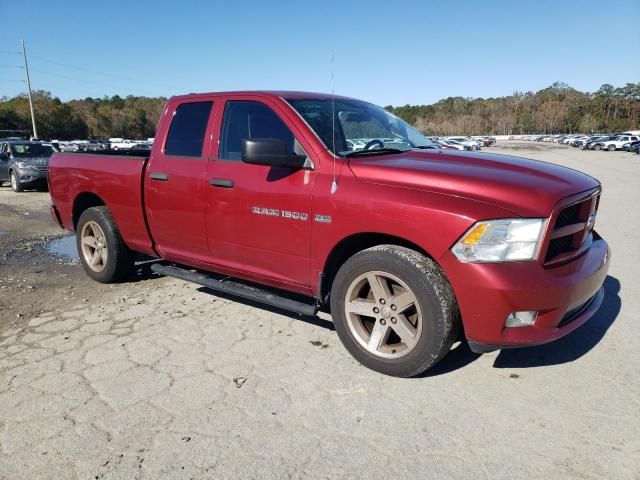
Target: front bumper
x=565, y=297
x=28, y=177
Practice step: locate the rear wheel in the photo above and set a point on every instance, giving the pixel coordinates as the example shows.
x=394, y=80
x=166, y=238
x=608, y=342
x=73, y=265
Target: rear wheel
x=597, y=147
x=103, y=253
x=15, y=184
x=394, y=310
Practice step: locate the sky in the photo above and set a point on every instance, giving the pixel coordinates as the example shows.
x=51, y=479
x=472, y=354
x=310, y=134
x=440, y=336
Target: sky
x=387, y=52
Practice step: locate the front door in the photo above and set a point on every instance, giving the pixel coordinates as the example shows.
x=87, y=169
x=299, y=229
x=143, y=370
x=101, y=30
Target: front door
x=175, y=183
x=4, y=162
x=259, y=218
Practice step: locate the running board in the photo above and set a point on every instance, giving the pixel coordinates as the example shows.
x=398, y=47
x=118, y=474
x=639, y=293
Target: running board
x=238, y=289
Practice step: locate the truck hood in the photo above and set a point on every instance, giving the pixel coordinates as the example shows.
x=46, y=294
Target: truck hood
x=528, y=188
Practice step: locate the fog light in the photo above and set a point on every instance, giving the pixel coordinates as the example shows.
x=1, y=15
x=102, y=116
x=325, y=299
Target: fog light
x=521, y=319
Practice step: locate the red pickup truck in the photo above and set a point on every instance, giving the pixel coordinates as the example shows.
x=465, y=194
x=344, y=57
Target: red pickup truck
x=305, y=201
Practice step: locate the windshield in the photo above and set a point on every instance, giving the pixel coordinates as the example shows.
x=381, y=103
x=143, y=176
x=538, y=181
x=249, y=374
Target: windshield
x=30, y=150
x=359, y=126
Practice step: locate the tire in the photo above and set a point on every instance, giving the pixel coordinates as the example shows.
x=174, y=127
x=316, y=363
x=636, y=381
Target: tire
x=103, y=253
x=611, y=148
x=15, y=184
x=433, y=316
x=597, y=147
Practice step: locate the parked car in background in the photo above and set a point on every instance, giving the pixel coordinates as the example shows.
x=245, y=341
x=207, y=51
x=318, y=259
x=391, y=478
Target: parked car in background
x=627, y=146
x=95, y=146
x=635, y=148
x=141, y=147
x=24, y=164
x=590, y=142
x=578, y=142
x=453, y=144
x=615, y=143
x=69, y=147
x=121, y=143
x=485, y=141
x=466, y=141
x=441, y=144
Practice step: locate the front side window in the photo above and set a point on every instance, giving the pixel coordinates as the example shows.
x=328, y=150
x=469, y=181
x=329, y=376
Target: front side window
x=354, y=126
x=187, y=130
x=246, y=120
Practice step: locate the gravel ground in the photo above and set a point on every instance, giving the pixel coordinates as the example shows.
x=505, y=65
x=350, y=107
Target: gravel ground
x=159, y=378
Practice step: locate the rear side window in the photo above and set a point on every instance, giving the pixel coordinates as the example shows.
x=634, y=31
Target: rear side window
x=244, y=120
x=188, y=126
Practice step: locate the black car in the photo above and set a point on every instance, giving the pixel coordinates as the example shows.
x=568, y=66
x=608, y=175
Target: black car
x=24, y=164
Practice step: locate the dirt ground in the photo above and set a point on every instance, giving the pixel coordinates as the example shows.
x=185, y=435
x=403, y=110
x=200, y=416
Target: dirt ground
x=159, y=378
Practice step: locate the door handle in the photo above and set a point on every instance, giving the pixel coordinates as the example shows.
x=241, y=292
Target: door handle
x=160, y=176
x=221, y=182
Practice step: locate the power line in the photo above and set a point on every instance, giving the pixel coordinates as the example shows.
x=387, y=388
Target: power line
x=66, y=77
x=98, y=72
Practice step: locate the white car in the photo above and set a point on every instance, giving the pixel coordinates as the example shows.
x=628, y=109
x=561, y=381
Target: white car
x=454, y=144
x=467, y=142
x=615, y=143
x=122, y=143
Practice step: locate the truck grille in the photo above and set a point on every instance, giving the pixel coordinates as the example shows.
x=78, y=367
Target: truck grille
x=568, y=216
x=42, y=168
x=571, y=233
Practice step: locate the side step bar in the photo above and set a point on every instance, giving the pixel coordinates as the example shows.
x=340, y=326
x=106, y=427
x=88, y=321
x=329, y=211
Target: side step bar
x=238, y=289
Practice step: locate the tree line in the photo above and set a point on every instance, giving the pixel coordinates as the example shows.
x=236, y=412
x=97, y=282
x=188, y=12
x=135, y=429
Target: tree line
x=129, y=117
x=555, y=109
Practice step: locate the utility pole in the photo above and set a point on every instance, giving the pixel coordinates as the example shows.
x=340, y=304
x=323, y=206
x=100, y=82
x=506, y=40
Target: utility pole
x=26, y=70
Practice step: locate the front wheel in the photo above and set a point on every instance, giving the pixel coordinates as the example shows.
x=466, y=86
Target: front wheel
x=394, y=310
x=103, y=253
x=611, y=148
x=15, y=184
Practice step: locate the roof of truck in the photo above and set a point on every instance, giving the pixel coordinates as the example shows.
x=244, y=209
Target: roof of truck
x=271, y=93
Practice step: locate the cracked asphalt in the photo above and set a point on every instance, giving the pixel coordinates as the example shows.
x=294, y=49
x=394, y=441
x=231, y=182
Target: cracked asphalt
x=158, y=378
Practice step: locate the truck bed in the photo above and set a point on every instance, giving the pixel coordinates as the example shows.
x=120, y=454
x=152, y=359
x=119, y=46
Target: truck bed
x=109, y=178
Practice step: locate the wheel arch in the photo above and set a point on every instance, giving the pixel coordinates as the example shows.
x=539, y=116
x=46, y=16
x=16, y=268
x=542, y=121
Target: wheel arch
x=82, y=202
x=349, y=246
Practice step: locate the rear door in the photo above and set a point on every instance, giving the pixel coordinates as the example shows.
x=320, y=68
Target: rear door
x=259, y=217
x=175, y=181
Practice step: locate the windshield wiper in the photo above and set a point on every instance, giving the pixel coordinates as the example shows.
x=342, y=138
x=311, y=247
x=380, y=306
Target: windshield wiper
x=377, y=151
x=425, y=147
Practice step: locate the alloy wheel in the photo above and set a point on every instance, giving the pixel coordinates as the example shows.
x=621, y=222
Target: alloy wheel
x=383, y=314
x=94, y=246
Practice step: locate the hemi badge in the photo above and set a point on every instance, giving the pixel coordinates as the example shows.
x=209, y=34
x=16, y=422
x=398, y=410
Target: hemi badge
x=322, y=218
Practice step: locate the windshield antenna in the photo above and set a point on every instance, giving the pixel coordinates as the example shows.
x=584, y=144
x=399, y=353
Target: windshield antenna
x=334, y=183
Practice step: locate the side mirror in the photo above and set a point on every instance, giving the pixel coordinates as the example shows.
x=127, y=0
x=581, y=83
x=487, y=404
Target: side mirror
x=271, y=152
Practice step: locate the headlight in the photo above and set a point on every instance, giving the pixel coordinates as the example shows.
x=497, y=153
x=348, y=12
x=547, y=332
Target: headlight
x=505, y=240
x=23, y=165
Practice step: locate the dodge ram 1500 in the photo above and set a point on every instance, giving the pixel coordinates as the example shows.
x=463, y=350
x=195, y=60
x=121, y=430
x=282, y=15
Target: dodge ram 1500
x=306, y=201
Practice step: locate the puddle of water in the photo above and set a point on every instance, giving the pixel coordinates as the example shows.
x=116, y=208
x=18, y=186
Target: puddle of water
x=64, y=247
